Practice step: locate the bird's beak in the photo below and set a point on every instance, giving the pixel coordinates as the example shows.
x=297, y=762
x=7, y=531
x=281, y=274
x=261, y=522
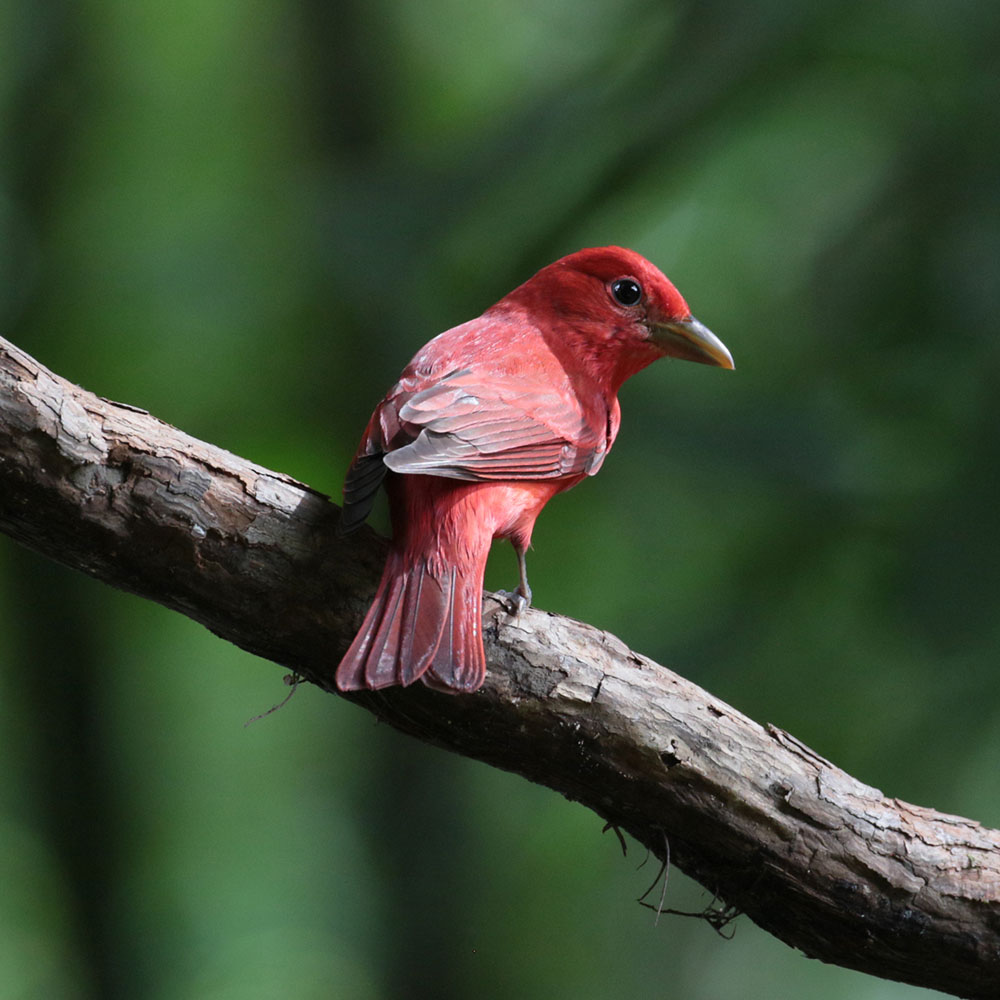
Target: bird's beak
x=692, y=341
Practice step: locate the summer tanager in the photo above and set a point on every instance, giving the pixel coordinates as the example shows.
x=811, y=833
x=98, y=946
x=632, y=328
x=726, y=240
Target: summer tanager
x=486, y=424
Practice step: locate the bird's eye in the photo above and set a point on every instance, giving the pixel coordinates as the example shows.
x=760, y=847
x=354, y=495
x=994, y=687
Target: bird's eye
x=626, y=291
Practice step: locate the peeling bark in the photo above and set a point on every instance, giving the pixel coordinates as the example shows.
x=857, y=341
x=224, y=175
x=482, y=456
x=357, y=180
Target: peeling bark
x=827, y=864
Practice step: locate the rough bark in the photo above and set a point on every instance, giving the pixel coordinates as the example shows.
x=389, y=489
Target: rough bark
x=829, y=865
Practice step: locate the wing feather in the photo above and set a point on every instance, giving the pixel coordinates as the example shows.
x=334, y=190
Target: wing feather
x=465, y=429
x=460, y=427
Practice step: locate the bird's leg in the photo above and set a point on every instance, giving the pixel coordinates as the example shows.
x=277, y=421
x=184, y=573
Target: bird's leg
x=523, y=590
x=519, y=599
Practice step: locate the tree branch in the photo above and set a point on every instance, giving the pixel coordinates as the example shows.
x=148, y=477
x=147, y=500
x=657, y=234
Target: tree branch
x=827, y=864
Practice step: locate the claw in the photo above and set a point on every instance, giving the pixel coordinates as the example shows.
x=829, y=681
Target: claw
x=516, y=601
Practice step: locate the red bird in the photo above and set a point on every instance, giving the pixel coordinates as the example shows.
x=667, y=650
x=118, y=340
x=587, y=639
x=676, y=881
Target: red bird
x=486, y=424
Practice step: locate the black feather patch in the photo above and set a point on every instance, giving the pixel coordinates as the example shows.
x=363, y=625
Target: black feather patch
x=363, y=480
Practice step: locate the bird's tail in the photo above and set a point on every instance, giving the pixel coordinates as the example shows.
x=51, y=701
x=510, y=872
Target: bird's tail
x=424, y=624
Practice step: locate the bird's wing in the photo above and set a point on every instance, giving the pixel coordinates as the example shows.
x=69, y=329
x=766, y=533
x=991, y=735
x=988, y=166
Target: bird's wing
x=465, y=427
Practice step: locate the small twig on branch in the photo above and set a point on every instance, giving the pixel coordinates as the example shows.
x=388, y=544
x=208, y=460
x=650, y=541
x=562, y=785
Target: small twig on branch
x=664, y=873
x=829, y=865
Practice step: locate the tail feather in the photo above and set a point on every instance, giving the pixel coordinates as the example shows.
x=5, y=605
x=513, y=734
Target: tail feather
x=460, y=663
x=421, y=625
x=379, y=636
x=421, y=622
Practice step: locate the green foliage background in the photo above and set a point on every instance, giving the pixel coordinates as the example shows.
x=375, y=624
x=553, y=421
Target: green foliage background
x=246, y=218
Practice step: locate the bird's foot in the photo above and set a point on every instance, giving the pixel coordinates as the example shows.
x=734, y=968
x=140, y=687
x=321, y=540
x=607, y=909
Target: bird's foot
x=515, y=600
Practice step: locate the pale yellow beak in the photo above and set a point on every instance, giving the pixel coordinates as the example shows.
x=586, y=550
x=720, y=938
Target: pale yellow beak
x=692, y=341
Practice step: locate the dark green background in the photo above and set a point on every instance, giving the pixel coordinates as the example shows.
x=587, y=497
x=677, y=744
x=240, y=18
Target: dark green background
x=246, y=217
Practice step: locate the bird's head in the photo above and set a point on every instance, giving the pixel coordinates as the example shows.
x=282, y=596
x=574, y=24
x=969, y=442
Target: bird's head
x=620, y=311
